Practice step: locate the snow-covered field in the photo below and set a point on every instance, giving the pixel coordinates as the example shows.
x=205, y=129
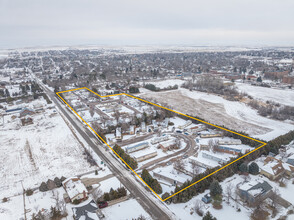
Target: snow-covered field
x=166, y=83
x=235, y=115
x=285, y=97
x=34, y=153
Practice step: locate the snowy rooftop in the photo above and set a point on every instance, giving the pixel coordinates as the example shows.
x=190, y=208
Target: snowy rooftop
x=74, y=187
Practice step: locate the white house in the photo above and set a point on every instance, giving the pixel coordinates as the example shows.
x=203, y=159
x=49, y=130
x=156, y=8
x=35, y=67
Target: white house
x=75, y=189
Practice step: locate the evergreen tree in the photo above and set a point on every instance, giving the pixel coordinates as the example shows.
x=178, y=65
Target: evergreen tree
x=208, y=216
x=243, y=168
x=215, y=188
x=106, y=197
x=253, y=168
x=150, y=181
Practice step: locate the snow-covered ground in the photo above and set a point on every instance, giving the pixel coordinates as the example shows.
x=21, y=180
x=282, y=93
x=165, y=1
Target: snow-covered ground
x=215, y=109
x=185, y=211
x=166, y=83
x=282, y=96
x=36, y=152
x=129, y=209
x=14, y=207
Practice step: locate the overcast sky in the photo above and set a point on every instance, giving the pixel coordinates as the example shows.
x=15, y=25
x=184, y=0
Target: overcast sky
x=26, y=23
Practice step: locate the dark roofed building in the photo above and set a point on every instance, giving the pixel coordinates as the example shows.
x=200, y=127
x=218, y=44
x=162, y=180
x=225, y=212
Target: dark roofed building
x=25, y=112
x=89, y=211
x=255, y=191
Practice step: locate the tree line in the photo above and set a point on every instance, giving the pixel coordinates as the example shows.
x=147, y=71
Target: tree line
x=126, y=157
x=184, y=196
x=152, y=182
x=115, y=194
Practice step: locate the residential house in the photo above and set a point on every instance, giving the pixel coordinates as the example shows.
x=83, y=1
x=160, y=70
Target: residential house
x=169, y=178
x=213, y=157
x=25, y=112
x=228, y=150
x=211, y=135
x=254, y=191
x=159, y=139
x=272, y=168
x=230, y=141
x=137, y=147
x=75, y=189
x=89, y=211
x=145, y=156
x=187, y=123
x=26, y=121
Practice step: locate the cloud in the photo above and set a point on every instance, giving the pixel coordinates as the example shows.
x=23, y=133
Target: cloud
x=213, y=22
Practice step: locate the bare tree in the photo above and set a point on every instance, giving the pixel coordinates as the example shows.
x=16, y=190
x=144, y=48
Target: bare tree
x=198, y=207
x=228, y=192
x=97, y=193
x=124, y=127
x=210, y=144
x=283, y=154
x=236, y=197
x=213, y=145
x=159, y=133
x=195, y=168
x=57, y=199
x=179, y=165
x=103, y=121
x=91, y=110
x=116, y=115
x=275, y=199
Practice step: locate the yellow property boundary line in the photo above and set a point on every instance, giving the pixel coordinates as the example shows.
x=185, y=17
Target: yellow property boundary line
x=263, y=143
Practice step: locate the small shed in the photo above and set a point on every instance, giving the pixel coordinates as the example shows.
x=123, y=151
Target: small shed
x=207, y=198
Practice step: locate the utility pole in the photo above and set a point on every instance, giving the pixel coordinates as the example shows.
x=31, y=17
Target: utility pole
x=24, y=201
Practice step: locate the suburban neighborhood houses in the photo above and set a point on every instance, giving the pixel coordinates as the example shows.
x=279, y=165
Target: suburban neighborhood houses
x=136, y=136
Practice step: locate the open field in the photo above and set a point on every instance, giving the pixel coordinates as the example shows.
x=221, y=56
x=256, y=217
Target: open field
x=36, y=152
x=282, y=96
x=217, y=110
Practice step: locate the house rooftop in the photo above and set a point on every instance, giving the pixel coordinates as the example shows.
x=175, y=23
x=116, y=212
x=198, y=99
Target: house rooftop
x=86, y=212
x=74, y=186
x=255, y=188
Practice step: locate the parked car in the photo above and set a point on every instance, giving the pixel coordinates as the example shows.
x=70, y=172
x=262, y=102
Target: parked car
x=102, y=204
x=178, y=131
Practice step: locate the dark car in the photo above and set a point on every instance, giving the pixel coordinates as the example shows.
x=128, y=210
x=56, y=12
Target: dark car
x=102, y=204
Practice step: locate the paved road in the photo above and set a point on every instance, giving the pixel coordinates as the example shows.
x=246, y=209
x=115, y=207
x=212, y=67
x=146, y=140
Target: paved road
x=135, y=140
x=142, y=195
x=189, y=150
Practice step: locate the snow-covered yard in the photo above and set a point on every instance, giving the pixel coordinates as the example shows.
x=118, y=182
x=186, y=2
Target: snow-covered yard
x=36, y=152
x=126, y=210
